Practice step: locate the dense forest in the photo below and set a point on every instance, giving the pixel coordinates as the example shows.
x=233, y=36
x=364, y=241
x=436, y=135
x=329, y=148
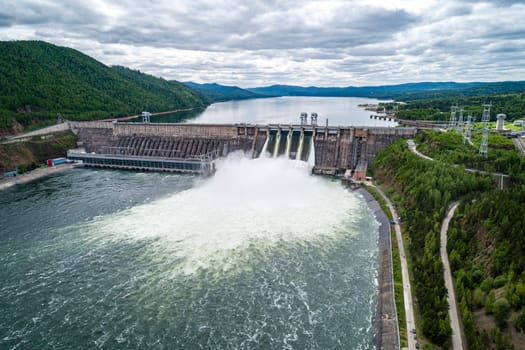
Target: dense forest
x=39, y=81
x=510, y=104
x=485, y=243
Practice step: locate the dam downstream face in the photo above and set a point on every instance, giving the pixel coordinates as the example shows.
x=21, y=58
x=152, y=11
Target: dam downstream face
x=261, y=255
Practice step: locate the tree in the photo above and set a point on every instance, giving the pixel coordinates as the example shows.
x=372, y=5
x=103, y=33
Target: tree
x=501, y=311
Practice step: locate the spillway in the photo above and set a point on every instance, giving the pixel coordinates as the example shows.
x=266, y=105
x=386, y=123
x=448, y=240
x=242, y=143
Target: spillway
x=290, y=144
x=194, y=148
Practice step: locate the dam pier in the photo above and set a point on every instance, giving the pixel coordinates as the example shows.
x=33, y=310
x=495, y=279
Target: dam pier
x=194, y=148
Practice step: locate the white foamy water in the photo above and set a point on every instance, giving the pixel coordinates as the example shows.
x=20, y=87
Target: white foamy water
x=247, y=200
x=260, y=256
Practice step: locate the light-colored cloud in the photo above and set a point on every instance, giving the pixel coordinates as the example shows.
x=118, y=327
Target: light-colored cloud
x=324, y=43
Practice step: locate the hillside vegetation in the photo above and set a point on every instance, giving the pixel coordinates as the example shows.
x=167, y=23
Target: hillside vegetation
x=510, y=104
x=485, y=243
x=39, y=80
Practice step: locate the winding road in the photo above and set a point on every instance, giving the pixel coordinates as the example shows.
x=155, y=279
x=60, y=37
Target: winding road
x=457, y=340
x=457, y=343
x=499, y=176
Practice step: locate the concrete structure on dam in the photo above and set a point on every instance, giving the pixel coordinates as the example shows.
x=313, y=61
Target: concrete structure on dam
x=193, y=148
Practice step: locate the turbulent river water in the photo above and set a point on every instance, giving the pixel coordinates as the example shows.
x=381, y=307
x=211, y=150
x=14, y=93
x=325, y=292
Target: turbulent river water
x=262, y=255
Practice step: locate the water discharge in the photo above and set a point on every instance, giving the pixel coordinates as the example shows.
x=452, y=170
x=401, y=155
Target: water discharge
x=300, y=147
x=261, y=255
x=288, y=144
x=277, y=143
x=247, y=201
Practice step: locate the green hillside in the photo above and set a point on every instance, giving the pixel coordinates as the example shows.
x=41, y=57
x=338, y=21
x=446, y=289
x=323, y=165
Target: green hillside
x=38, y=80
x=486, y=243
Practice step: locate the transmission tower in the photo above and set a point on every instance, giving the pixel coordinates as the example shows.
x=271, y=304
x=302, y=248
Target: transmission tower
x=460, y=119
x=452, y=122
x=483, y=148
x=467, y=131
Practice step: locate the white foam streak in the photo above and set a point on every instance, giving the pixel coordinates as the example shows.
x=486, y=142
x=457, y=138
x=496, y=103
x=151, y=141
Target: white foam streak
x=247, y=200
x=277, y=143
x=264, y=149
x=288, y=144
x=300, y=148
x=311, y=155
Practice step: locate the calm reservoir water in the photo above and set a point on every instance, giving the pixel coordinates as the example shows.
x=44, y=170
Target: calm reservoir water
x=342, y=111
x=260, y=256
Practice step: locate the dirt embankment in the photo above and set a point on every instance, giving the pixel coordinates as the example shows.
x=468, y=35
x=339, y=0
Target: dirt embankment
x=29, y=154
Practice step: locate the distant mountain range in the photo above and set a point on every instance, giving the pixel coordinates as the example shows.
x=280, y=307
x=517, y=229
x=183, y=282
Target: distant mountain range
x=365, y=91
x=422, y=90
x=218, y=93
x=409, y=91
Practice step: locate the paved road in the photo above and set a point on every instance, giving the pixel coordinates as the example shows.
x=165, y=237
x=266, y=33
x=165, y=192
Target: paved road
x=407, y=290
x=412, y=147
x=34, y=174
x=386, y=312
x=65, y=126
x=26, y=136
x=129, y=117
x=451, y=295
x=498, y=176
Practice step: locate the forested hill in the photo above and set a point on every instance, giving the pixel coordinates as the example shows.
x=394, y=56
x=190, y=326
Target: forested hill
x=38, y=80
x=486, y=244
x=218, y=93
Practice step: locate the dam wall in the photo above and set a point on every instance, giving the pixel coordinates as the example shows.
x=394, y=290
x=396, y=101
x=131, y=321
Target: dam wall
x=176, y=130
x=332, y=150
x=339, y=149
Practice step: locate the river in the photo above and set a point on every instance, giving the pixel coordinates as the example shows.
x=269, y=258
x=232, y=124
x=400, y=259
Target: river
x=262, y=255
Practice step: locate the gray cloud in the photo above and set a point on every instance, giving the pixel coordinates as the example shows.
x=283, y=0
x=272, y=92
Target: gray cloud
x=285, y=41
x=6, y=20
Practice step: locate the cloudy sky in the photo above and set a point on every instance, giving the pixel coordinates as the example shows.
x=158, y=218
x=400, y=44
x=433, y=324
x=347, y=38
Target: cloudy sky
x=253, y=42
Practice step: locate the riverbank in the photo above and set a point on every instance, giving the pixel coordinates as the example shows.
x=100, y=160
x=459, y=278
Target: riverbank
x=34, y=175
x=385, y=322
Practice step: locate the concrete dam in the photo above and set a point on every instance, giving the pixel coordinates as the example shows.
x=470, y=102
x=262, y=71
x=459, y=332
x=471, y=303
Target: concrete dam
x=193, y=148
